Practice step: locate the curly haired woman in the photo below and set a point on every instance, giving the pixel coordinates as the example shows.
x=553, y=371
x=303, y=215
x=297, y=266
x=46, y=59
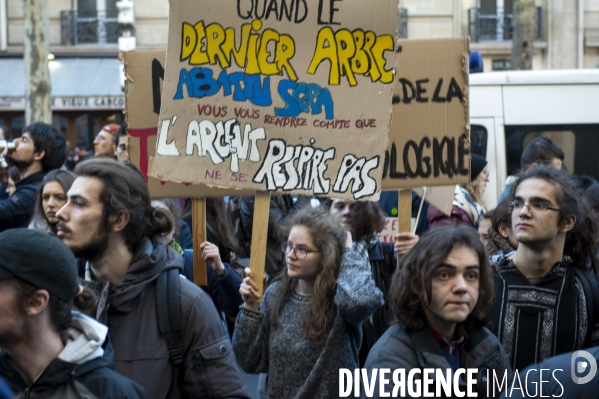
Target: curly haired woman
x=309, y=324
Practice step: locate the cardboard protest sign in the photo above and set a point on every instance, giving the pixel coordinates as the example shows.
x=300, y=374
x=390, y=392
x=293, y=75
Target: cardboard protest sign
x=441, y=197
x=295, y=95
x=391, y=228
x=144, y=70
x=429, y=137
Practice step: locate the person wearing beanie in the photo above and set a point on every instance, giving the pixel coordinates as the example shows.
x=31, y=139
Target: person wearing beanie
x=48, y=349
x=105, y=142
x=468, y=206
x=477, y=166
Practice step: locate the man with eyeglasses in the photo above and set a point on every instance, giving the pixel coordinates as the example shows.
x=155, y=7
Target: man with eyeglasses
x=544, y=290
x=122, y=146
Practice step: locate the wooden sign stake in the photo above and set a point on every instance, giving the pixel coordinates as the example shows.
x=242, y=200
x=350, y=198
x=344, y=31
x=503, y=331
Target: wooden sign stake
x=259, y=238
x=199, y=236
x=404, y=214
x=419, y=211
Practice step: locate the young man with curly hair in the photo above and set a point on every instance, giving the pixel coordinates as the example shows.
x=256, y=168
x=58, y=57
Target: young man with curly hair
x=441, y=295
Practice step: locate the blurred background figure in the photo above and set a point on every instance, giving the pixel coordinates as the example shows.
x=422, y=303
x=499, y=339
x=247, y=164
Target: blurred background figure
x=483, y=228
x=105, y=142
x=468, y=206
x=540, y=151
x=122, y=144
x=12, y=177
x=591, y=195
x=500, y=234
x=219, y=230
x=51, y=196
x=3, y=171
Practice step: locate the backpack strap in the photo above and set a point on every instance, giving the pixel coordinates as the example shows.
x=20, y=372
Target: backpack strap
x=591, y=293
x=168, y=306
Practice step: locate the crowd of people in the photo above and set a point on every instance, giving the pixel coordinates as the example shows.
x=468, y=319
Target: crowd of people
x=97, y=296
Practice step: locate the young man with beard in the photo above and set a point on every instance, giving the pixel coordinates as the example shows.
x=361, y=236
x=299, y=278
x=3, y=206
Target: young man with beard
x=544, y=292
x=39, y=150
x=50, y=350
x=110, y=225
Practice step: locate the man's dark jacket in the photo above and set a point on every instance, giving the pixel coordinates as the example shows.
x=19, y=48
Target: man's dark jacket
x=401, y=348
x=128, y=308
x=16, y=210
x=556, y=377
x=92, y=379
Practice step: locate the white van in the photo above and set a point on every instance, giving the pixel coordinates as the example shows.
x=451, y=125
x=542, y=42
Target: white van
x=509, y=109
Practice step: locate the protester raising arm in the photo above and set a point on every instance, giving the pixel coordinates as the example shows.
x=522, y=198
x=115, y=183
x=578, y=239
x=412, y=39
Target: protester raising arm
x=357, y=297
x=223, y=287
x=311, y=317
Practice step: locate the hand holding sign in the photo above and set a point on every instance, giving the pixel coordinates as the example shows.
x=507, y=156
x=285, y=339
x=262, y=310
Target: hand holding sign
x=250, y=292
x=404, y=242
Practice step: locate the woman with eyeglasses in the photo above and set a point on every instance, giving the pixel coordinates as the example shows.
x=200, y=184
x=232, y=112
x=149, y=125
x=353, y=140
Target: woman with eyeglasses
x=308, y=325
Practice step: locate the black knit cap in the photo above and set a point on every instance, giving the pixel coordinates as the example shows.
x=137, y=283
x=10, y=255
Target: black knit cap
x=477, y=164
x=39, y=259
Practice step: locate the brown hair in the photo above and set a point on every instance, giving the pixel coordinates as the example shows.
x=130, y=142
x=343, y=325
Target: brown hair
x=174, y=208
x=367, y=218
x=14, y=174
x=329, y=238
x=582, y=240
x=60, y=311
x=475, y=189
x=220, y=224
x=124, y=189
x=65, y=178
x=411, y=286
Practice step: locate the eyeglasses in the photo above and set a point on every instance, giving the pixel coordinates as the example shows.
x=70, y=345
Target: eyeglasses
x=300, y=252
x=532, y=207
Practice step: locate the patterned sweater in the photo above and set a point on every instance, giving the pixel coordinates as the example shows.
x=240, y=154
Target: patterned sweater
x=535, y=321
x=298, y=368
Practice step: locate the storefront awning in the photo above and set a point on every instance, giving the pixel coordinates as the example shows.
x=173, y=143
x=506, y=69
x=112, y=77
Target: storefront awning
x=78, y=84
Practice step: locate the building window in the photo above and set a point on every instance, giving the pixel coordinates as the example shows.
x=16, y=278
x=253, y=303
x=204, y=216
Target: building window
x=403, y=23
x=91, y=21
x=495, y=24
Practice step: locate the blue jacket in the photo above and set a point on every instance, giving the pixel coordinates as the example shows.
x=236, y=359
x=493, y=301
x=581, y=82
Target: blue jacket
x=224, y=290
x=16, y=210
